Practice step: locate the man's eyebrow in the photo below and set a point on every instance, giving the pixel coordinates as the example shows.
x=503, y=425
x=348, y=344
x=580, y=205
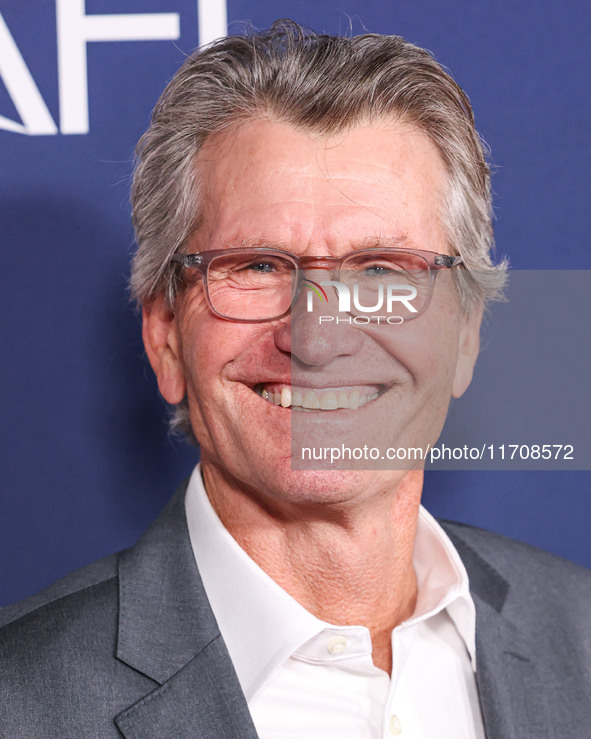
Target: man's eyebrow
x=370, y=242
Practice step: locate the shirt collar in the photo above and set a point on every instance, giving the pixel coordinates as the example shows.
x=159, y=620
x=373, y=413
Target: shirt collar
x=262, y=625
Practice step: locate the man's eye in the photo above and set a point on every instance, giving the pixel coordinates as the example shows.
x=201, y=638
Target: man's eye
x=379, y=270
x=261, y=267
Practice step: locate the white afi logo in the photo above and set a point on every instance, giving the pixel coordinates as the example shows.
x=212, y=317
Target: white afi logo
x=394, y=293
x=74, y=30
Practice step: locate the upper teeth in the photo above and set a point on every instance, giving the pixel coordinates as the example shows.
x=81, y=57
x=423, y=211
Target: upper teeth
x=328, y=399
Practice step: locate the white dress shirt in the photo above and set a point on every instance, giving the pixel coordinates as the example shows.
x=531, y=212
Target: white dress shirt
x=304, y=678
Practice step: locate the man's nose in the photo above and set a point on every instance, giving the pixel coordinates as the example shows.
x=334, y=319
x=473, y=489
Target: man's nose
x=316, y=332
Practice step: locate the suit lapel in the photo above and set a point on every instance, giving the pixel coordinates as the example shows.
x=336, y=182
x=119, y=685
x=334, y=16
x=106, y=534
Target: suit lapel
x=202, y=700
x=510, y=681
x=168, y=632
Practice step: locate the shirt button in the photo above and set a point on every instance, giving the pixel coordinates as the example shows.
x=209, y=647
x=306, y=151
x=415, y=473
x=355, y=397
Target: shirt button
x=337, y=645
x=395, y=725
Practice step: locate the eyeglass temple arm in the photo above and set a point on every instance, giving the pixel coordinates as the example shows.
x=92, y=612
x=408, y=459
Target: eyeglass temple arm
x=445, y=261
x=187, y=260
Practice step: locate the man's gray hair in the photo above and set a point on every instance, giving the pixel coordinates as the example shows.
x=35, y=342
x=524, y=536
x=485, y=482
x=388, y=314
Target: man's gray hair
x=315, y=82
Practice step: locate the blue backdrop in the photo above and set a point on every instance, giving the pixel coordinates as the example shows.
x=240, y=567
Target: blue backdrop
x=86, y=460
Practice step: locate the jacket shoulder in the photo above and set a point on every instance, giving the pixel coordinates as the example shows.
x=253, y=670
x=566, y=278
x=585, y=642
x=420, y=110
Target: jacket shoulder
x=75, y=613
x=533, y=576
x=60, y=674
x=85, y=577
x=501, y=550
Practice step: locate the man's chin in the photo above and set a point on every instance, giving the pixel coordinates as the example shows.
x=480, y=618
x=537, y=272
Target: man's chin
x=326, y=487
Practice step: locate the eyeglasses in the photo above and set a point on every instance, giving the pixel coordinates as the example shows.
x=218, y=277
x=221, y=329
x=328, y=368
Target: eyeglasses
x=254, y=285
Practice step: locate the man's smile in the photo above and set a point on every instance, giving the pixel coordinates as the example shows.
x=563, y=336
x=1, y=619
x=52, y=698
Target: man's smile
x=324, y=399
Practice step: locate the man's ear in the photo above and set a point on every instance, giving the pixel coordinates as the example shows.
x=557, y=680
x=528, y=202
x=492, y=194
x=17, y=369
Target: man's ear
x=469, y=346
x=162, y=343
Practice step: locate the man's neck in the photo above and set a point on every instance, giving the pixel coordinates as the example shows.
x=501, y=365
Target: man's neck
x=353, y=567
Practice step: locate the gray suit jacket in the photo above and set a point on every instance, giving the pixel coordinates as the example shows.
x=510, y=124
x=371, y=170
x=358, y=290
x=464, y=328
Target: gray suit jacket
x=129, y=647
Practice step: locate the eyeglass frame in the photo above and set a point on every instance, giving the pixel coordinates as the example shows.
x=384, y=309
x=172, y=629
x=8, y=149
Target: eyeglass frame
x=201, y=261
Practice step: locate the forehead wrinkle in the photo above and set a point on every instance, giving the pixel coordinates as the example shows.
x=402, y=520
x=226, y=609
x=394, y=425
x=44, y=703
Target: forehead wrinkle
x=338, y=181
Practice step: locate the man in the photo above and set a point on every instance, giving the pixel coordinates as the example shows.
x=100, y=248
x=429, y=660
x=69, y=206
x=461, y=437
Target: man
x=281, y=602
